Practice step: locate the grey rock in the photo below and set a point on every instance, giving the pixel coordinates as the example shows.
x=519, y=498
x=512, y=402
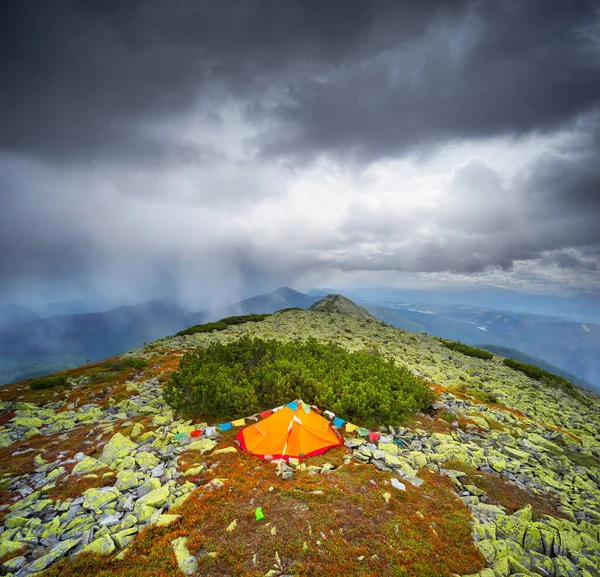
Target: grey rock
x=397, y=484
x=110, y=520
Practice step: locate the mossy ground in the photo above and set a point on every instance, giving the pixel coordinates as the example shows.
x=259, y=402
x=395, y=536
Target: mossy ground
x=322, y=524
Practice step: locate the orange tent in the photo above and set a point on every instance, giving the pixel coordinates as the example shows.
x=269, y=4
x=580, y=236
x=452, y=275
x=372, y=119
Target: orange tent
x=294, y=430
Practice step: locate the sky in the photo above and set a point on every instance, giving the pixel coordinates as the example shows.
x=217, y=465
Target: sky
x=206, y=151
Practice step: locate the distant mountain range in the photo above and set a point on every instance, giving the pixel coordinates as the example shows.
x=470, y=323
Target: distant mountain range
x=583, y=307
x=33, y=347
x=572, y=346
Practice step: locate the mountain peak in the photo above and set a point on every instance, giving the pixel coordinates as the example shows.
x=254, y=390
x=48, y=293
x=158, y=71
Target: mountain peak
x=342, y=305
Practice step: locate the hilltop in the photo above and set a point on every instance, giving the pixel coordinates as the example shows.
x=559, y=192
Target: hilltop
x=499, y=476
x=341, y=305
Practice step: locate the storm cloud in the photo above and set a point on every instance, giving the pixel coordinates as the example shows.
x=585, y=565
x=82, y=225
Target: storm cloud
x=208, y=150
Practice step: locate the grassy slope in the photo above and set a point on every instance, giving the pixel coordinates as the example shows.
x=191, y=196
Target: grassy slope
x=348, y=529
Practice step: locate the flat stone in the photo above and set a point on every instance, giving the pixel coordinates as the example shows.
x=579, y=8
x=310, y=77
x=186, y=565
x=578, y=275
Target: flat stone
x=224, y=451
x=202, y=445
x=397, y=484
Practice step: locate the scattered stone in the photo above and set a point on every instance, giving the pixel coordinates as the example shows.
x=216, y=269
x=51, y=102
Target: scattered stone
x=188, y=564
x=397, y=484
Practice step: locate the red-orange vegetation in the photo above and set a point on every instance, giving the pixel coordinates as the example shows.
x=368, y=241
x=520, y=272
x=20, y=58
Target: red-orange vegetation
x=49, y=446
x=315, y=524
x=76, y=486
x=14, y=554
x=6, y=416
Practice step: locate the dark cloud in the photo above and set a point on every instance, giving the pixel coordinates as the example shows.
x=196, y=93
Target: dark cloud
x=506, y=67
x=199, y=140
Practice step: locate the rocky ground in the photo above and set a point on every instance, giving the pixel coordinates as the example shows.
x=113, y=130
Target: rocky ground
x=102, y=469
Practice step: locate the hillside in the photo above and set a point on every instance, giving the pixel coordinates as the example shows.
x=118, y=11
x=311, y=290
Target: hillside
x=102, y=478
x=525, y=358
x=572, y=346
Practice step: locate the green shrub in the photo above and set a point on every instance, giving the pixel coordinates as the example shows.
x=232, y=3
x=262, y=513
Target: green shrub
x=483, y=396
x=222, y=324
x=249, y=375
x=467, y=350
x=543, y=376
x=290, y=309
x=122, y=364
x=449, y=416
x=48, y=382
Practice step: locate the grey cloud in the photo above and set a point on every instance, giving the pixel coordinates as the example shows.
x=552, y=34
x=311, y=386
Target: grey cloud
x=95, y=92
x=505, y=67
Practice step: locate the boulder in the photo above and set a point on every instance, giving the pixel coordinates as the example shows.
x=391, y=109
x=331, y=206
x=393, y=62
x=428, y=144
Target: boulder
x=146, y=460
x=104, y=545
x=126, y=479
x=118, y=447
x=88, y=465
x=28, y=422
x=156, y=498
x=95, y=499
x=124, y=537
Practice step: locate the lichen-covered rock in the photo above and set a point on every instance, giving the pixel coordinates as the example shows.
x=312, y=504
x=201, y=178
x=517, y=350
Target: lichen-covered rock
x=7, y=546
x=203, y=445
x=104, y=545
x=146, y=460
x=55, y=553
x=88, y=465
x=118, y=447
x=126, y=479
x=95, y=499
x=166, y=519
x=188, y=564
x=124, y=537
x=156, y=498
x=28, y=422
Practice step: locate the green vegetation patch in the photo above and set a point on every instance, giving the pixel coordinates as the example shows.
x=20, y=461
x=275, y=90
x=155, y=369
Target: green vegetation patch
x=467, y=350
x=548, y=378
x=250, y=375
x=48, y=382
x=129, y=363
x=222, y=324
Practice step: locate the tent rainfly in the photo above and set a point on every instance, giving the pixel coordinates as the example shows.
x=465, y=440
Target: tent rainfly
x=295, y=430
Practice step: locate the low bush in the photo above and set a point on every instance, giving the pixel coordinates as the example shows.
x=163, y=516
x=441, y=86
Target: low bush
x=249, y=375
x=543, y=376
x=483, y=395
x=222, y=324
x=48, y=382
x=467, y=350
